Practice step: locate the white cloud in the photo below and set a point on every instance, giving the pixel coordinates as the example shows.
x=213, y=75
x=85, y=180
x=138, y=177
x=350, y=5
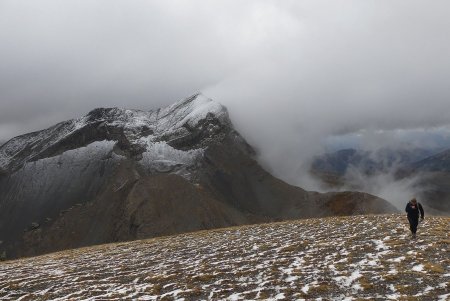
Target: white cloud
x=292, y=73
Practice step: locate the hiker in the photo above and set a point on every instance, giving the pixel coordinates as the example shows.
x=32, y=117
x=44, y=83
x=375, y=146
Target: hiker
x=413, y=208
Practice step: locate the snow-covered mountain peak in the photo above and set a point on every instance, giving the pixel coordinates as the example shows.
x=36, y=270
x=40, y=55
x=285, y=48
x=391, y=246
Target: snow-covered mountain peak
x=191, y=111
x=186, y=112
x=190, y=123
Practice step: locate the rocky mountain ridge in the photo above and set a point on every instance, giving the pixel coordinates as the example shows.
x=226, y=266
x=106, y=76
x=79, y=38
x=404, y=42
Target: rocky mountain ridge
x=180, y=125
x=118, y=174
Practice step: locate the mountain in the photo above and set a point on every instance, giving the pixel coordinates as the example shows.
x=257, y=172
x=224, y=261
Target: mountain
x=336, y=258
x=118, y=174
x=368, y=162
x=435, y=179
x=436, y=163
x=430, y=166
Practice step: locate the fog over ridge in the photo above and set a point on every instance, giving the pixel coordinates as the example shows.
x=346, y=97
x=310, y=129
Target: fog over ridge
x=298, y=77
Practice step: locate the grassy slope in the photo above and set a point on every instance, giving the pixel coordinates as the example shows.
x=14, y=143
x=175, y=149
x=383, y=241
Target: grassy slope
x=360, y=257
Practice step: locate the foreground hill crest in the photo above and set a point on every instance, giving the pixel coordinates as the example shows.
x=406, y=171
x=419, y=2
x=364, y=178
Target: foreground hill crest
x=336, y=258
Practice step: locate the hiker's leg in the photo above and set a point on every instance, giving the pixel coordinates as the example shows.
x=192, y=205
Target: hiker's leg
x=415, y=222
x=410, y=220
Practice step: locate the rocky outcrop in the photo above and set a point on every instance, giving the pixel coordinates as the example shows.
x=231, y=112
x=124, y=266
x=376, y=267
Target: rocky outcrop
x=118, y=174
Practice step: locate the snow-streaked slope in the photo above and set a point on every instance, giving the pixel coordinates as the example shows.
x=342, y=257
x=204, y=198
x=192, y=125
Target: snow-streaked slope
x=137, y=128
x=44, y=173
x=338, y=258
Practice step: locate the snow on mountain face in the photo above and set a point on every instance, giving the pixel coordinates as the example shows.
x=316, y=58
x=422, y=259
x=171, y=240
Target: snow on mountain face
x=118, y=174
x=173, y=135
x=56, y=178
x=43, y=173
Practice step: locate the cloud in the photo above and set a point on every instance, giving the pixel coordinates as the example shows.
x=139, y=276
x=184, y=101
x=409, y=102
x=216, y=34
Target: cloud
x=350, y=68
x=293, y=74
x=61, y=59
x=385, y=185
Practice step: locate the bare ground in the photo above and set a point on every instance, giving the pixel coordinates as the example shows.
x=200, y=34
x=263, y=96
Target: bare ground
x=337, y=258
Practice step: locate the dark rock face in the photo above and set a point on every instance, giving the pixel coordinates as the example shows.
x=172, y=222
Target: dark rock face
x=116, y=175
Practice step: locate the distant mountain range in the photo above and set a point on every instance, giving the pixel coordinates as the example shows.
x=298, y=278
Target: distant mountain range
x=436, y=163
x=432, y=166
x=435, y=171
x=118, y=174
x=369, y=161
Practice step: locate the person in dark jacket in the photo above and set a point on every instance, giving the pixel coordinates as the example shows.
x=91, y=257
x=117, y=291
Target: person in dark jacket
x=414, y=209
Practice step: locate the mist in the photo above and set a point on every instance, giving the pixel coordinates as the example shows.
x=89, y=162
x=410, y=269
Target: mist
x=366, y=70
x=385, y=184
x=298, y=77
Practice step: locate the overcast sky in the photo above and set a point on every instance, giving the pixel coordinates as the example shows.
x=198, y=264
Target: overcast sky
x=294, y=74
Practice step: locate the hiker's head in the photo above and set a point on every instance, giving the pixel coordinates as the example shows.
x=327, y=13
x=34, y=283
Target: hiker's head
x=414, y=201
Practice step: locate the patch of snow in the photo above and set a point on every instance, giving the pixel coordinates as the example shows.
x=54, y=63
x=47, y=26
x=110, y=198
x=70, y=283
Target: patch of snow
x=418, y=268
x=398, y=259
x=445, y=297
x=393, y=296
x=379, y=245
x=305, y=288
x=234, y=297
x=161, y=157
x=346, y=281
x=291, y=278
x=428, y=288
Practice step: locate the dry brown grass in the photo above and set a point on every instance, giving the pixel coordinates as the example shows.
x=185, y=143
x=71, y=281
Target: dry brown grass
x=263, y=295
x=156, y=289
x=320, y=289
x=365, y=284
x=409, y=298
x=434, y=267
x=409, y=274
x=291, y=248
x=161, y=278
x=204, y=277
x=195, y=292
x=403, y=289
x=394, y=242
x=390, y=277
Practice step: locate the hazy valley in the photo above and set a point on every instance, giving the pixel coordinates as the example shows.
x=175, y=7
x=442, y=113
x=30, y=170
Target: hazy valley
x=420, y=172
